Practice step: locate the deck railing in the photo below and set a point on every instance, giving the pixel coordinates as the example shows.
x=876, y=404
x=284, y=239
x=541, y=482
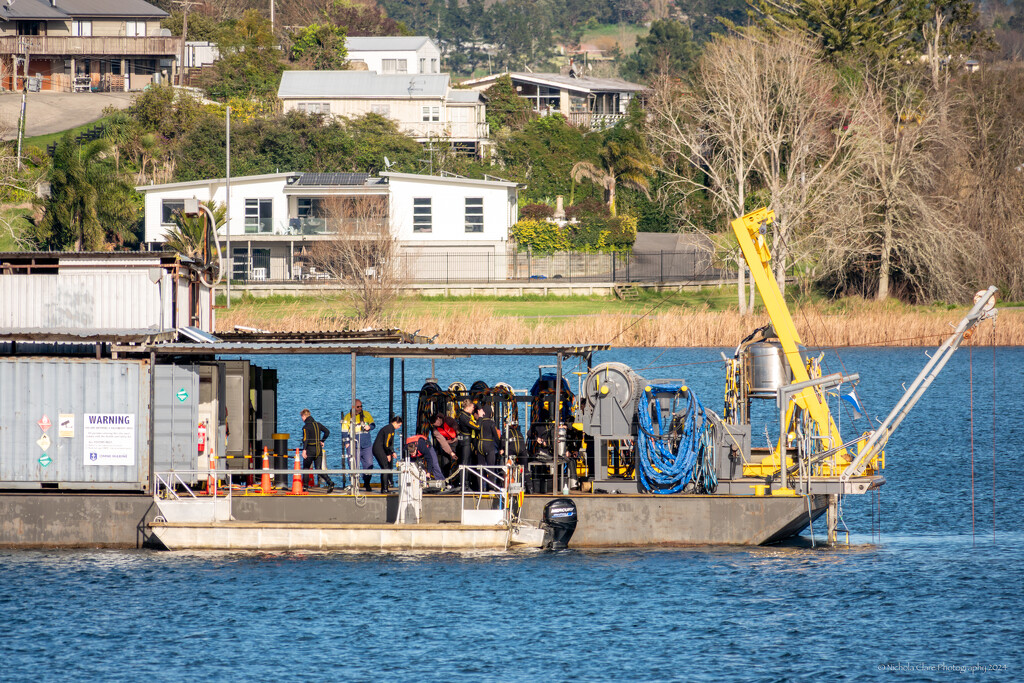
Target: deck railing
x=92, y=45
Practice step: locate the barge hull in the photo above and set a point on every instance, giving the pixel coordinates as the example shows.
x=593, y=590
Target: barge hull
x=121, y=520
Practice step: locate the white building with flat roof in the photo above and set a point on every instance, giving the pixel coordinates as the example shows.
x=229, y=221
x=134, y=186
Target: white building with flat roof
x=275, y=218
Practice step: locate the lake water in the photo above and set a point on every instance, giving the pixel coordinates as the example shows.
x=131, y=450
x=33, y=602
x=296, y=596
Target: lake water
x=925, y=592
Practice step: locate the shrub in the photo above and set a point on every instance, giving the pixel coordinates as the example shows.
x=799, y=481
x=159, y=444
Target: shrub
x=540, y=236
x=536, y=212
x=587, y=208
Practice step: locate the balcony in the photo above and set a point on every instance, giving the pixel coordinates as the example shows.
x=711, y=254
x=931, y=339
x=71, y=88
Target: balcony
x=314, y=226
x=70, y=46
x=446, y=129
x=592, y=121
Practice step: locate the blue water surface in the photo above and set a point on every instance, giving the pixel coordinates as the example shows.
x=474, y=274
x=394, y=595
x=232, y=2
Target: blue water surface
x=929, y=589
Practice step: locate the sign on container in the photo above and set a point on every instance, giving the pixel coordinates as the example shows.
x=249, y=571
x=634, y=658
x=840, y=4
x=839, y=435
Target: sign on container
x=109, y=439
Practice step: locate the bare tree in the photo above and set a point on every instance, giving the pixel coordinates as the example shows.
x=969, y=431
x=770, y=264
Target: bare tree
x=893, y=218
x=362, y=252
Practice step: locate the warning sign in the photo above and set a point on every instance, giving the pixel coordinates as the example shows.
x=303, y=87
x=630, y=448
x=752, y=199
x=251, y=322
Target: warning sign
x=182, y=395
x=67, y=426
x=109, y=439
x=43, y=442
x=44, y=423
x=44, y=460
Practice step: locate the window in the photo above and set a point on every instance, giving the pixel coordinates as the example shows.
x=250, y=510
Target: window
x=135, y=29
x=28, y=28
x=381, y=109
x=81, y=28
x=115, y=67
x=474, y=214
x=431, y=113
x=169, y=209
x=259, y=215
x=423, y=65
x=310, y=206
x=314, y=107
x=402, y=66
x=421, y=215
x=389, y=66
x=433, y=66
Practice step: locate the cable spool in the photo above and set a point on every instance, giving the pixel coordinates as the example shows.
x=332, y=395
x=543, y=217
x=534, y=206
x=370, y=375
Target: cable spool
x=611, y=394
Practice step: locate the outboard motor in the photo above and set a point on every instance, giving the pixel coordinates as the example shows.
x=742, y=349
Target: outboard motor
x=559, y=523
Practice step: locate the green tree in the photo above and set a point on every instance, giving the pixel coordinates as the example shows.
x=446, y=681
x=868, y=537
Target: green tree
x=625, y=161
x=505, y=108
x=319, y=47
x=669, y=46
x=250, y=63
x=189, y=235
x=89, y=207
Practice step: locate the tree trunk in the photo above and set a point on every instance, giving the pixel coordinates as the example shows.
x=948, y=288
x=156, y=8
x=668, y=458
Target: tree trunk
x=752, y=294
x=885, y=261
x=741, y=286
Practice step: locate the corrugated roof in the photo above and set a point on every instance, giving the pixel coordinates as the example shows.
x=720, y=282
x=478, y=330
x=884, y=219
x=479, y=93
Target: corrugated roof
x=40, y=9
x=388, y=350
x=30, y=9
x=384, y=43
x=585, y=83
x=333, y=179
x=360, y=84
x=448, y=179
x=463, y=96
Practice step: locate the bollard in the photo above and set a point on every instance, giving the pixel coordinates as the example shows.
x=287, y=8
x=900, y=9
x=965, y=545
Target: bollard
x=265, y=480
x=280, y=460
x=297, y=477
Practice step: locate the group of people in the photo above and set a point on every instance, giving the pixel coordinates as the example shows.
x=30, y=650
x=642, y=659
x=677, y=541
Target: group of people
x=472, y=439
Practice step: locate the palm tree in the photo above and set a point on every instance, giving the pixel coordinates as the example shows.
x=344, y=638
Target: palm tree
x=90, y=206
x=187, y=235
x=625, y=161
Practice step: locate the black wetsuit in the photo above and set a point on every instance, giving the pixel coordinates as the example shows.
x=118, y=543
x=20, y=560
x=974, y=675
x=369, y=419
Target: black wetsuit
x=489, y=442
x=383, y=448
x=313, y=436
x=468, y=428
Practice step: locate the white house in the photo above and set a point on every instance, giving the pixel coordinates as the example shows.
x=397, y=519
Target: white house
x=394, y=54
x=454, y=224
x=424, y=106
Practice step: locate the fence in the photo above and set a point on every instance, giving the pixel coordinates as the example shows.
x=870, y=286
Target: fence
x=452, y=267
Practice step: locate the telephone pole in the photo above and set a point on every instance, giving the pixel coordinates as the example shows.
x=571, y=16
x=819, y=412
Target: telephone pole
x=185, y=4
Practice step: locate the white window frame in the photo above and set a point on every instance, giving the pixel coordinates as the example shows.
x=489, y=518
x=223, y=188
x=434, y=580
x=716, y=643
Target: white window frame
x=423, y=65
x=474, y=212
x=431, y=112
x=135, y=29
x=252, y=213
x=381, y=109
x=81, y=28
x=402, y=66
x=389, y=66
x=422, y=215
x=168, y=207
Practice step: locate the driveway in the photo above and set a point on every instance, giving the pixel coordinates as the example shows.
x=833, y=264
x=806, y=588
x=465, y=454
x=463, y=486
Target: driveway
x=52, y=112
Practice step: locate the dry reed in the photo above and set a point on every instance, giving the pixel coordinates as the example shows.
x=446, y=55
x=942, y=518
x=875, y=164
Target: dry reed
x=871, y=326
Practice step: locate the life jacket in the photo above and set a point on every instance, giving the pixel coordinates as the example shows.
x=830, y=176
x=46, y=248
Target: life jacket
x=412, y=446
x=447, y=430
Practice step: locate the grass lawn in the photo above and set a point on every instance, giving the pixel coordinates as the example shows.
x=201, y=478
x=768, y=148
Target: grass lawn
x=41, y=141
x=15, y=219
x=605, y=36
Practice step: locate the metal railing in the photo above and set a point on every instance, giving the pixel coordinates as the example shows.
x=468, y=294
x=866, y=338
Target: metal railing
x=142, y=46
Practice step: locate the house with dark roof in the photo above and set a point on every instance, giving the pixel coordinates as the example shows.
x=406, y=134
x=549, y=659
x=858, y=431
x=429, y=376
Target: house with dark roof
x=393, y=54
x=587, y=102
x=84, y=45
x=276, y=219
x=424, y=106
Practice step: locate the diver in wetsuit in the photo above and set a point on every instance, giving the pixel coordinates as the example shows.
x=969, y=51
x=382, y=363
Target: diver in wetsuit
x=468, y=429
x=488, y=441
x=384, y=450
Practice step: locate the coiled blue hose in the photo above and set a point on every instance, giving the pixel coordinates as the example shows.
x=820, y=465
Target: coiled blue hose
x=661, y=471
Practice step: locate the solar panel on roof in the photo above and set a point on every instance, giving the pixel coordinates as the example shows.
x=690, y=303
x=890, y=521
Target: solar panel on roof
x=333, y=178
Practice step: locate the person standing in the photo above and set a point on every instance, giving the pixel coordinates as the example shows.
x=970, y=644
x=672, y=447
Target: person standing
x=384, y=450
x=489, y=441
x=446, y=436
x=468, y=430
x=360, y=428
x=313, y=436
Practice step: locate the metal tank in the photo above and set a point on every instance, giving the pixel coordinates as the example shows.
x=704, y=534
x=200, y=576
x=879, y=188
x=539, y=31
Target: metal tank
x=766, y=369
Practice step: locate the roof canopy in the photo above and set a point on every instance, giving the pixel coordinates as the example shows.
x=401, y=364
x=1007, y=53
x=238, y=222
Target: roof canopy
x=385, y=349
x=361, y=85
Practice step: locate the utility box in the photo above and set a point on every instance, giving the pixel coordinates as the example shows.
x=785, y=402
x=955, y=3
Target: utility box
x=732, y=442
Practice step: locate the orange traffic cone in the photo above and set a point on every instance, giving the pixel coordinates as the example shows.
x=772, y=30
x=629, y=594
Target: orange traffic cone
x=265, y=481
x=297, y=477
x=211, y=478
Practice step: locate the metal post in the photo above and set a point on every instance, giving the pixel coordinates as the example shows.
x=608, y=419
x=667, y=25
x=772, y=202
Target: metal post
x=152, y=415
x=391, y=387
x=227, y=207
x=403, y=403
x=557, y=415
x=353, y=445
x=662, y=265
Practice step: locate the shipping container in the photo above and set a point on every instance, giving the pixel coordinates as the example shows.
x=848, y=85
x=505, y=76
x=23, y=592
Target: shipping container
x=74, y=423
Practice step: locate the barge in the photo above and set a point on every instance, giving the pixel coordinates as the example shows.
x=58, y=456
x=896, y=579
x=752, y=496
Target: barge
x=643, y=460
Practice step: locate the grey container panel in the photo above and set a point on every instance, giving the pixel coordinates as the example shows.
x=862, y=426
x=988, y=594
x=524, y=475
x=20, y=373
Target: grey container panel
x=33, y=387
x=175, y=417
x=87, y=300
